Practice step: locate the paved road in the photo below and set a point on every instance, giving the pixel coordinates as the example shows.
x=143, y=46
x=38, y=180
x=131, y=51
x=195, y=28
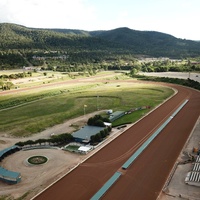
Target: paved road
x=182, y=75
x=146, y=177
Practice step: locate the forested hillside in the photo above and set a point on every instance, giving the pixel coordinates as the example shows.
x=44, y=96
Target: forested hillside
x=151, y=43
x=22, y=46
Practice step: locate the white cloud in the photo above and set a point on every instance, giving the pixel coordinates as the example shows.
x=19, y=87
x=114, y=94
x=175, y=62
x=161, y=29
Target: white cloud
x=46, y=13
x=178, y=18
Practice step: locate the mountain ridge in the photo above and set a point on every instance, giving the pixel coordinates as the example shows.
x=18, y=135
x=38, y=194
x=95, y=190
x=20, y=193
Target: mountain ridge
x=96, y=45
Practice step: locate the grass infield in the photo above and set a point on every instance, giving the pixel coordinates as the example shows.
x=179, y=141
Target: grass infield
x=35, y=110
x=37, y=160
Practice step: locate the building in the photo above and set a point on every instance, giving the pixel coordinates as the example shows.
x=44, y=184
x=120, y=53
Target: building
x=193, y=177
x=7, y=151
x=84, y=149
x=9, y=177
x=6, y=175
x=83, y=135
x=116, y=115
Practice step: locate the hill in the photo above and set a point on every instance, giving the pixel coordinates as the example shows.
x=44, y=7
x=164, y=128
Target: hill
x=151, y=42
x=86, y=46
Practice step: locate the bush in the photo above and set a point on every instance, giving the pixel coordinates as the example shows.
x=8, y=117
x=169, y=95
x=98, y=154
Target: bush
x=97, y=120
x=100, y=136
x=63, y=138
x=99, y=123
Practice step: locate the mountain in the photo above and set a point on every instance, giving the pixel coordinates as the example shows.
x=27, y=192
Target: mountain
x=150, y=42
x=96, y=44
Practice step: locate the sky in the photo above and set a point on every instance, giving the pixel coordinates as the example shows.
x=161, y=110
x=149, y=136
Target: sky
x=179, y=18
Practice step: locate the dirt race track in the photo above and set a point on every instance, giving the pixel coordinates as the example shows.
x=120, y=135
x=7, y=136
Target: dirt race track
x=145, y=178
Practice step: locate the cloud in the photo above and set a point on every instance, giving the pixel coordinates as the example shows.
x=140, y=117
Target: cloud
x=178, y=18
x=46, y=13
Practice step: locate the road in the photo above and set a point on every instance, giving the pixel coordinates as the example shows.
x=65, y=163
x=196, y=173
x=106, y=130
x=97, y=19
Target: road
x=146, y=176
x=180, y=75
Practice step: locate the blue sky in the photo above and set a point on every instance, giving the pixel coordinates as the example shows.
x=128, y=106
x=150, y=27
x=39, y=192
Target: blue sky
x=176, y=17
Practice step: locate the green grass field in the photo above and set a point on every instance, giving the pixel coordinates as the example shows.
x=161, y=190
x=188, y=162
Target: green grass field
x=35, y=110
x=72, y=148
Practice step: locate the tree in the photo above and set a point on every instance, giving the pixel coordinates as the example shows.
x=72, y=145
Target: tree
x=109, y=128
x=98, y=137
x=106, y=131
x=1, y=84
x=99, y=122
x=102, y=132
x=133, y=72
x=21, y=144
x=9, y=85
x=29, y=142
x=40, y=141
x=92, y=138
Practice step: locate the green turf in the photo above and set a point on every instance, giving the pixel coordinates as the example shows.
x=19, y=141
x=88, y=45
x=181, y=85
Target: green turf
x=72, y=148
x=37, y=160
x=130, y=118
x=42, y=108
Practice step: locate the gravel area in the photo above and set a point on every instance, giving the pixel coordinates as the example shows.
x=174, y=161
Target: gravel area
x=176, y=187
x=34, y=176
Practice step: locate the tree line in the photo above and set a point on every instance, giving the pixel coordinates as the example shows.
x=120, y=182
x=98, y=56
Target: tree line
x=7, y=85
x=60, y=139
x=19, y=45
x=186, y=82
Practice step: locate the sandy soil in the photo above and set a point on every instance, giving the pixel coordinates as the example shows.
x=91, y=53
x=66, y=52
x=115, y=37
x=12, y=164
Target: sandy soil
x=59, y=162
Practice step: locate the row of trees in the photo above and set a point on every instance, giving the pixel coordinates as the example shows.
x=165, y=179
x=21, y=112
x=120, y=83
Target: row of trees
x=169, y=65
x=165, y=66
x=63, y=138
x=80, y=60
x=100, y=136
x=16, y=76
x=6, y=85
x=98, y=120
x=125, y=63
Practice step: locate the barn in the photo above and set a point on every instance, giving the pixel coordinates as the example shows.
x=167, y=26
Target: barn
x=83, y=135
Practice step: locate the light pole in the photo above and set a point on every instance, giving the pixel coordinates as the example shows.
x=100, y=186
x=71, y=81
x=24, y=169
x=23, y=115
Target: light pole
x=85, y=106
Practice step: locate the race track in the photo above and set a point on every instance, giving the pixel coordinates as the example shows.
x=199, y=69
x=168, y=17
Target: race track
x=145, y=178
